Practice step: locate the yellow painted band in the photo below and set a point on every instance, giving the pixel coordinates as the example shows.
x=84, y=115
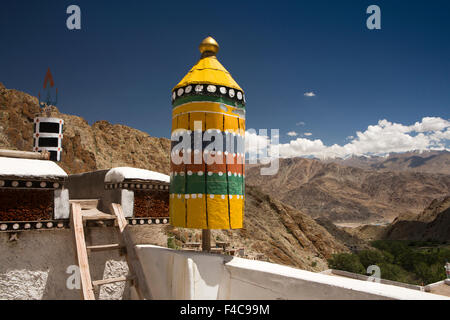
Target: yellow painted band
x=207, y=212
x=212, y=115
x=202, y=106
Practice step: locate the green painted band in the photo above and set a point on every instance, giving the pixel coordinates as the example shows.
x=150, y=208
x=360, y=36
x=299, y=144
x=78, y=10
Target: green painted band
x=213, y=184
x=223, y=100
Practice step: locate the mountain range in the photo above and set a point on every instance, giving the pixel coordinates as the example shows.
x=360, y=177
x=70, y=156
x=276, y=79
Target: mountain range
x=414, y=161
x=290, y=217
x=277, y=231
x=349, y=194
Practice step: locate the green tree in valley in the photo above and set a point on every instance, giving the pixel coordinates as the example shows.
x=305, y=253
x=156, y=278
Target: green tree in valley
x=347, y=262
x=371, y=257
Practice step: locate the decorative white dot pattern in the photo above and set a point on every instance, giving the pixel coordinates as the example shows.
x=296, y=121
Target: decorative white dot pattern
x=212, y=89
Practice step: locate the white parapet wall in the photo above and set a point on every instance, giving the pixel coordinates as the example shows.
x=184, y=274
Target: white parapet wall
x=173, y=274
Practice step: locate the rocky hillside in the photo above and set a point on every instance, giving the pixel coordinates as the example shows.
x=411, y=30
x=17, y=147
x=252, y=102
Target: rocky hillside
x=275, y=230
x=279, y=232
x=429, y=161
x=434, y=209
x=350, y=239
x=279, y=226
x=85, y=148
x=431, y=224
x=349, y=194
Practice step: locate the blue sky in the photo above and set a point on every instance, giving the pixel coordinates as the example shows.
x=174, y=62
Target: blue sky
x=128, y=55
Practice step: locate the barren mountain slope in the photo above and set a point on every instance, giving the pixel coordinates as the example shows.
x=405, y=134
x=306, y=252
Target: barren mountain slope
x=351, y=240
x=434, y=209
x=432, y=224
x=85, y=148
x=348, y=194
x=283, y=234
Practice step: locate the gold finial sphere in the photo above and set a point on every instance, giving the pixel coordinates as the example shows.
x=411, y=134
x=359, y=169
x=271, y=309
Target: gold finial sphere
x=209, y=45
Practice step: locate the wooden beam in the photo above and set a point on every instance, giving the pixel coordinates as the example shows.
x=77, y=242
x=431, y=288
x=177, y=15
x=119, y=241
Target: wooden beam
x=98, y=283
x=206, y=240
x=76, y=222
x=97, y=216
x=132, y=259
x=45, y=155
x=86, y=203
x=104, y=247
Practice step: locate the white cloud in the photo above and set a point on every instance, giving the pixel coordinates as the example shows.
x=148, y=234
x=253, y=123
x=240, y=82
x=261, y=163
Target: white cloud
x=307, y=134
x=300, y=123
x=292, y=134
x=309, y=94
x=258, y=146
x=254, y=142
x=430, y=124
x=432, y=133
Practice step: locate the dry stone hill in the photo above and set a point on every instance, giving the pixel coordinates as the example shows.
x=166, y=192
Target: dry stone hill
x=274, y=231
x=433, y=223
x=279, y=227
x=85, y=148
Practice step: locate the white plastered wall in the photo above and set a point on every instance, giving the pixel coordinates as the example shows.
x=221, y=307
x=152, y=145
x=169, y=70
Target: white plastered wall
x=127, y=201
x=173, y=274
x=61, y=203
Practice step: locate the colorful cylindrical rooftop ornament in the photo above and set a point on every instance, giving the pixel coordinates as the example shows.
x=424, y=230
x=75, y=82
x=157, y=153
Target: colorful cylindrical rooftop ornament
x=208, y=156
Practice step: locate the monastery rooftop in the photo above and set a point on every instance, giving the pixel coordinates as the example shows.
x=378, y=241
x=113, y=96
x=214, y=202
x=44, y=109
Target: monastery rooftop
x=30, y=168
x=120, y=174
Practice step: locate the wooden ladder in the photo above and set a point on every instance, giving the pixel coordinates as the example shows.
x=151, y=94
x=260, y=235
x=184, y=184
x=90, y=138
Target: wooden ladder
x=86, y=210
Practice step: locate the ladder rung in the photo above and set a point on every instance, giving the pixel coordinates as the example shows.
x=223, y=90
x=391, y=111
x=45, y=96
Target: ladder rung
x=104, y=247
x=97, y=283
x=99, y=217
x=86, y=203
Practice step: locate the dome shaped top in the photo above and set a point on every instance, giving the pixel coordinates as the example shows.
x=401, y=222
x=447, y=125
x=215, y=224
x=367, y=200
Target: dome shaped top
x=209, y=45
x=208, y=69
